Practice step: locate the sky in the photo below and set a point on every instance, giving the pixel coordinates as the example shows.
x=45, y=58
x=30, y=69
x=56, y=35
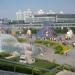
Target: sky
x=8, y=8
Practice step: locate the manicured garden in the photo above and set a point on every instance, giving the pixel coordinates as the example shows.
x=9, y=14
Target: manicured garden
x=4, y=54
x=40, y=67
x=48, y=43
x=44, y=64
x=58, y=47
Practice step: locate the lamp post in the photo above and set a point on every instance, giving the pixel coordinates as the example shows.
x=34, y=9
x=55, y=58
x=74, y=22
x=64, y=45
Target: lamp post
x=46, y=34
x=14, y=68
x=20, y=33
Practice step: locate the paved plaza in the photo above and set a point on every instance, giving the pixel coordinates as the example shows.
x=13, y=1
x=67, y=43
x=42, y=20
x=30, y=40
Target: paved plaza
x=65, y=72
x=60, y=59
x=10, y=73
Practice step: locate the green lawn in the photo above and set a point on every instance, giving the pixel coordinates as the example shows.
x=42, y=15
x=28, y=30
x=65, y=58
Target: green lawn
x=48, y=73
x=40, y=67
x=58, y=47
x=44, y=64
x=22, y=40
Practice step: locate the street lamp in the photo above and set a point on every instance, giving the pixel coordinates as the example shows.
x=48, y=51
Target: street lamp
x=29, y=32
x=46, y=34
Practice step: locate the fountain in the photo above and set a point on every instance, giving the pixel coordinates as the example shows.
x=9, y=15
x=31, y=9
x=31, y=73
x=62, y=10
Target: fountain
x=31, y=51
x=9, y=43
x=30, y=54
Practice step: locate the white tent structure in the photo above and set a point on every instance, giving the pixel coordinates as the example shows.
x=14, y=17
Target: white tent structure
x=69, y=34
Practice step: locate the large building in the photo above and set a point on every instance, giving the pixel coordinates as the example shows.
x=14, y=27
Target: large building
x=23, y=15
x=39, y=19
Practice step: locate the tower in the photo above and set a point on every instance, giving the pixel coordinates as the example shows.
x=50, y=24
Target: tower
x=19, y=15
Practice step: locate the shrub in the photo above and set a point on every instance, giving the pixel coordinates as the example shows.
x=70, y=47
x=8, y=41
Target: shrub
x=38, y=41
x=9, y=66
x=53, y=43
x=23, y=69
x=4, y=54
x=36, y=71
x=68, y=67
x=65, y=48
x=22, y=40
x=59, y=49
x=44, y=64
x=41, y=67
x=46, y=42
x=48, y=73
x=6, y=66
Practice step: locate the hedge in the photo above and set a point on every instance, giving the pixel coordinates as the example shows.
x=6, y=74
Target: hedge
x=9, y=66
x=44, y=64
x=22, y=40
x=37, y=68
x=46, y=42
x=48, y=73
x=61, y=49
x=41, y=67
x=4, y=54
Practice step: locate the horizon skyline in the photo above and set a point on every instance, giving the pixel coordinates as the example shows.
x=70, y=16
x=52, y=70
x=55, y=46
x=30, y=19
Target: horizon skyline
x=8, y=8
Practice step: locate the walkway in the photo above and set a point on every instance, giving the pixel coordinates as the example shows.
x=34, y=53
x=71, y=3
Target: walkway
x=60, y=59
x=65, y=72
x=10, y=73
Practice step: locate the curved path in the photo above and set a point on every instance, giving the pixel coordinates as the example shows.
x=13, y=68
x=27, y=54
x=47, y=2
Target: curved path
x=60, y=59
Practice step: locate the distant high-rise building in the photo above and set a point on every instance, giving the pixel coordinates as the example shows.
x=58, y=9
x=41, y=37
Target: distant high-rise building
x=29, y=13
x=19, y=15
x=23, y=15
x=51, y=12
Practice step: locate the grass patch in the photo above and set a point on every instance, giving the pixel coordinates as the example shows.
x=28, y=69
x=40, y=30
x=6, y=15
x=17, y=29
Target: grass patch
x=40, y=67
x=58, y=48
x=22, y=40
x=44, y=64
x=47, y=43
x=61, y=49
x=48, y=73
x=4, y=54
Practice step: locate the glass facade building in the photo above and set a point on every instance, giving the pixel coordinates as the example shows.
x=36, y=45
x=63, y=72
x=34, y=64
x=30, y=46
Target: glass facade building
x=28, y=19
